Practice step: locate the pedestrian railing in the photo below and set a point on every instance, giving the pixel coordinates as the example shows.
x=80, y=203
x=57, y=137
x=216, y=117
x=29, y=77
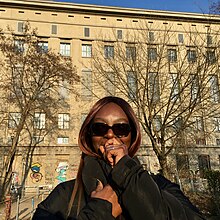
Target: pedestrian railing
x=22, y=208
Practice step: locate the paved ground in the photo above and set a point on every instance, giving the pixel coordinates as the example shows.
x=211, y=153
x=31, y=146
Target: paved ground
x=25, y=209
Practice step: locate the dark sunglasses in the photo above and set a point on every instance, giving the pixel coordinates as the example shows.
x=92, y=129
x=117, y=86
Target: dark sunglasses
x=101, y=129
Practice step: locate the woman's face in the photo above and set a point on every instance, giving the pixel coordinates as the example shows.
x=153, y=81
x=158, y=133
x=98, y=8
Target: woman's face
x=110, y=115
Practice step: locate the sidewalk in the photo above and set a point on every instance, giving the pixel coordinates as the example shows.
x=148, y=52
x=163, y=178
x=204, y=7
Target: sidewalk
x=25, y=208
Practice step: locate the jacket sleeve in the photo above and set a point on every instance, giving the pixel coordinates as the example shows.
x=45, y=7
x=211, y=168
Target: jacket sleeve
x=54, y=207
x=144, y=198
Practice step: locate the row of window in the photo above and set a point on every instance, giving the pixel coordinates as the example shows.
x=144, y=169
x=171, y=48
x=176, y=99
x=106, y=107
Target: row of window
x=39, y=120
x=40, y=139
x=119, y=34
x=197, y=124
x=191, y=55
x=65, y=50
x=152, y=38
x=182, y=162
x=54, y=29
x=154, y=86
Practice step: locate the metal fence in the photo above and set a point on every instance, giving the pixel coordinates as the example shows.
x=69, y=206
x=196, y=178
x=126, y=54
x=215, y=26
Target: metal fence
x=22, y=208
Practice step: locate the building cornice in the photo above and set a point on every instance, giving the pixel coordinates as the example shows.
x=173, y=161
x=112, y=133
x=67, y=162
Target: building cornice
x=110, y=11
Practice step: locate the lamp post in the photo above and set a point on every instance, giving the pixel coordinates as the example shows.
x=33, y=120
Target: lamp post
x=8, y=199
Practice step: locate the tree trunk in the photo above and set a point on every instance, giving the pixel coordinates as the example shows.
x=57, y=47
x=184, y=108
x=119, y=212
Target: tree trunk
x=164, y=166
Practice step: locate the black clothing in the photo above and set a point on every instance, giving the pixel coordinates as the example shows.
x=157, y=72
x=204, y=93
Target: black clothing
x=141, y=195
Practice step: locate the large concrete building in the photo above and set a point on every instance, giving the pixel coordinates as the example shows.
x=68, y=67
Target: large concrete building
x=76, y=31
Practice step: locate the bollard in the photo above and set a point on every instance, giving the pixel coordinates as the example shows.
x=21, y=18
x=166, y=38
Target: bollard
x=8, y=207
x=32, y=203
x=32, y=211
x=17, y=208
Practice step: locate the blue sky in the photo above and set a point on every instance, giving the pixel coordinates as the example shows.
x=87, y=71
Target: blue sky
x=198, y=6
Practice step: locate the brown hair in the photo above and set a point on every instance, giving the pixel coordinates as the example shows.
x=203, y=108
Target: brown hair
x=84, y=138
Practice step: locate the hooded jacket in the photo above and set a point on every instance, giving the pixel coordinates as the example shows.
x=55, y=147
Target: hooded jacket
x=141, y=195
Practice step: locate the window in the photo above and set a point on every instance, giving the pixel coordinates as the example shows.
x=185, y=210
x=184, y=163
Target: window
x=53, y=29
x=19, y=46
x=21, y=27
x=17, y=82
x=110, y=84
x=191, y=55
x=63, y=121
x=214, y=88
x=65, y=49
x=43, y=47
x=216, y=121
x=218, y=142
x=204, y=164
x=157, y=123
x=37, y=139
x=154, y=89
x=86, y=85
x=182, y=163
x=175, y=87
x=86, y=32
x=63, y=140
x=109, y=51
x=151, y=36
x=64, y=91
x=86, y=50
x=209, y=40
x=39, y=120
x=14, y=119
x=194, y=87
x=10, y=140
x=152, y=54
x=199, y=124
x=210, y=56
x=131, y=52
x=178, y=123
x=180, y=38
x=132, y=85
x=200, y=141
x=172, y=55
x=119, y=34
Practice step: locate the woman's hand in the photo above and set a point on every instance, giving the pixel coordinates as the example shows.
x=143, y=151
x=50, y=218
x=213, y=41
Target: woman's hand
x=107, y=193
x=114, y=152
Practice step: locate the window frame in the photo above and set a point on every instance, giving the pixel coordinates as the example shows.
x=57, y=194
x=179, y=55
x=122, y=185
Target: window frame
x=63, y=140
x=108, y=51
x=86, y=50
x=152, y=54
x=39, y=120
x=14, y=119
x=63, y=121
x=172, y=55
x=65, y=49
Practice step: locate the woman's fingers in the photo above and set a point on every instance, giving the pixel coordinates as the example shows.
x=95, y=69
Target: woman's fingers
x=114, y=152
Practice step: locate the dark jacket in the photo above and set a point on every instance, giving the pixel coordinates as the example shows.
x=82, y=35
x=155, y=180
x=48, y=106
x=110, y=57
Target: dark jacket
x=141, y=195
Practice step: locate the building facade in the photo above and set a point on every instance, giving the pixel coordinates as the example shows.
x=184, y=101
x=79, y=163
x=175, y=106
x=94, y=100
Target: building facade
x=78, y=31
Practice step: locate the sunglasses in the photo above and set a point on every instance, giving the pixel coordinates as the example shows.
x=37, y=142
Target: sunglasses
x=119, y=129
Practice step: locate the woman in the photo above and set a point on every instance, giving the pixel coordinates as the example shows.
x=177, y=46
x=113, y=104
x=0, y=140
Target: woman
x=110, y=183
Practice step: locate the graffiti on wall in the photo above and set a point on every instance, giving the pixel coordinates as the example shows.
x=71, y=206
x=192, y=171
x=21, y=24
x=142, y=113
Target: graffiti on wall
x=61, y=170
x=14, y=179
x=14, y=183
x=36, y=175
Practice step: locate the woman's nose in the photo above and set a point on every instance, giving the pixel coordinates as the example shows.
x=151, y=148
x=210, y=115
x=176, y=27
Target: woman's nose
x=110, y=134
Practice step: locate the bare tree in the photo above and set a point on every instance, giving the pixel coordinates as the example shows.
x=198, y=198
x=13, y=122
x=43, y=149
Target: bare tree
x=32, y=80
x=171, y=83
x=215, y=7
